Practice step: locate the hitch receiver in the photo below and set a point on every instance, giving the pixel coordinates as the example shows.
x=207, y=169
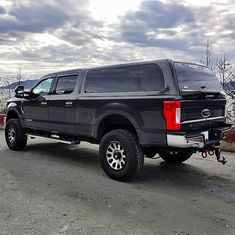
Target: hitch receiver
x=218, y=156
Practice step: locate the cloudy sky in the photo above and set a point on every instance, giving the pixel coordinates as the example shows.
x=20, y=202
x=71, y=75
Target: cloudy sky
x=44, y=36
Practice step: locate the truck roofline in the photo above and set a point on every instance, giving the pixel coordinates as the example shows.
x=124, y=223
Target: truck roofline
x=129, y=63
x=108, y=66
x=171, y=61
x=189, y=62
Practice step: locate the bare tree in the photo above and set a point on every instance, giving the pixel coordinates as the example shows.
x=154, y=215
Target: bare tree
x=5, y=91
x=226, y=76
x=209, y=59
x=227, y=79
x=19, y=75
x=222, y=68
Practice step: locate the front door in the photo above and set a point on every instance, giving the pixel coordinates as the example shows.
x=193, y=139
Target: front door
x=35, y=110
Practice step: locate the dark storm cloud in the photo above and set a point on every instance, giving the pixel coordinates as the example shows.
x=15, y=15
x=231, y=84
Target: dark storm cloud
x=2, y=10
x=153, y=25
x=160, y=15
x=35, y=17
x=68, y=20
x=171, y=42
x=81, y=30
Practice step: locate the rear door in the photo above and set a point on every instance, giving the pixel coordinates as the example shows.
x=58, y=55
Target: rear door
x=203, y=104
x=62, y=104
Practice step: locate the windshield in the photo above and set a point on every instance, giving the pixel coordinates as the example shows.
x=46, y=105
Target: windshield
x=193, y=77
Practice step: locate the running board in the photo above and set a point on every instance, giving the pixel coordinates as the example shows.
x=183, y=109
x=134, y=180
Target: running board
x=53, y=137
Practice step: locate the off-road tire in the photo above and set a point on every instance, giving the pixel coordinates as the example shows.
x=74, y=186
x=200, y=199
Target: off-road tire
x=20, y=138
x=178, y=157
x=131, y=149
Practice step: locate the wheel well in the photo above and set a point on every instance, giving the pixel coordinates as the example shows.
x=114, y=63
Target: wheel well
x=113, y=122
x=12, y=114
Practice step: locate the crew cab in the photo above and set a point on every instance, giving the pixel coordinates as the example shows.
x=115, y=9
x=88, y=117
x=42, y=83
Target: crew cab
x=132, y=111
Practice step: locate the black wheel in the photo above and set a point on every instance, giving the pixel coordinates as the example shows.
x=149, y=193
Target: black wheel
x=14, y=135
x=174, y=156
x=150, y=152
x=120, y=155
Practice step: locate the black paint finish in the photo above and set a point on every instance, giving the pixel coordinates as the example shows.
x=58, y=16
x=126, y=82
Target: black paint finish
x=83, y=115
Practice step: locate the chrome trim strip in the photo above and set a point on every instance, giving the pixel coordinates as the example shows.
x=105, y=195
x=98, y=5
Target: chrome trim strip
x=203, y=119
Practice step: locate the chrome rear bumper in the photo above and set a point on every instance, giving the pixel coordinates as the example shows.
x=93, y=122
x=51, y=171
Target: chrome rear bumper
x=180, y=141
x=198, y=140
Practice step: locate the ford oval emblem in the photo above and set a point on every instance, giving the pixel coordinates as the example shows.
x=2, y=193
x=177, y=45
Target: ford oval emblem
x=206, y=113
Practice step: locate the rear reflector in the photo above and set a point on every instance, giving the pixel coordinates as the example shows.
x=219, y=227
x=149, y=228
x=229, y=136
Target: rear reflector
x=172, y=114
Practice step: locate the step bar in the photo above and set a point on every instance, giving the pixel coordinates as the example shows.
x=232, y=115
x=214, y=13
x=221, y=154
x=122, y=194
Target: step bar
x=53, y=137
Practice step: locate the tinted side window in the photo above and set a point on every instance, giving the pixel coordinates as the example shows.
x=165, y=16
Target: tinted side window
x=43, y=87
x=66, y=84
x=122, y=79
x=151, y=77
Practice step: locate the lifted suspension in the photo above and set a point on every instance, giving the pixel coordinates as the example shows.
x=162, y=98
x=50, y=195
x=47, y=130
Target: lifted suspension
x=215, y=151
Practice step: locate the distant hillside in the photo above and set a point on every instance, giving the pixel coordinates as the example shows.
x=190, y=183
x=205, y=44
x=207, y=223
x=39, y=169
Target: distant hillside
x=27, y=84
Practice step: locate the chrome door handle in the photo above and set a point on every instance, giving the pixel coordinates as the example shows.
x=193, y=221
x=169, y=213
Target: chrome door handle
x=43, y=103
x=69, y=104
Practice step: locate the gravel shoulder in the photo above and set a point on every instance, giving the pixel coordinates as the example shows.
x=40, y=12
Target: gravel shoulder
x=52, y=188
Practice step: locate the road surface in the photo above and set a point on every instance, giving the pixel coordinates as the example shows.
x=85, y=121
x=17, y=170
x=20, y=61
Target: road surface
x=52, y=188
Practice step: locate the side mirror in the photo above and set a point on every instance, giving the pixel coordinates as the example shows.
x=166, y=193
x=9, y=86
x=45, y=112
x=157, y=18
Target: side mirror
x=19, y=91
x=28, y=94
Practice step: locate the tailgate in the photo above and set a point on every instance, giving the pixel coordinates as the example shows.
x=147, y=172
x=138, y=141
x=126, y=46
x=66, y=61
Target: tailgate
x=202, y=114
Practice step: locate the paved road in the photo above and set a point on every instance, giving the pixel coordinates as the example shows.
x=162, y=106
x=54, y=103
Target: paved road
x=53, y=188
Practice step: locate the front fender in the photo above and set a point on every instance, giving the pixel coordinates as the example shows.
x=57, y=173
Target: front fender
x=12, y=106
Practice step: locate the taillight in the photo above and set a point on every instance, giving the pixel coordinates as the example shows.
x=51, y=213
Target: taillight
x=172, y=111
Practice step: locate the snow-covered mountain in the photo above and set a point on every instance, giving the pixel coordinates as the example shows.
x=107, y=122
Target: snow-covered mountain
x=27, y=84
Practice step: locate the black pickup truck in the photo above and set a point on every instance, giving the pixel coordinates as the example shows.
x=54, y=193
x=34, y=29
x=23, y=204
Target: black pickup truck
x=132, y=111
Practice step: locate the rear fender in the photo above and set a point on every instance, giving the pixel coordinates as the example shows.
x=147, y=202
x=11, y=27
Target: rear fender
x=116, y=109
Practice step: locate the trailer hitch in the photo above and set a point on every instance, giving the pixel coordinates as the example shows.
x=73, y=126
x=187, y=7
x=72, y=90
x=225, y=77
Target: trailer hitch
x=218, y=156
x=217, y=152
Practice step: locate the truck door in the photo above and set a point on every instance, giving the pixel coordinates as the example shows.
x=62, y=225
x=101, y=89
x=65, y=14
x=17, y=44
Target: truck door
x=62, y=105
x=35, y=110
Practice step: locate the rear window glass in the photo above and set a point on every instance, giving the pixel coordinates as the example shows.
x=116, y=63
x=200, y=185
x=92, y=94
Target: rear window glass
x=151, y=77
x=66, y=84
x=196, y=77
x=122, y=79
